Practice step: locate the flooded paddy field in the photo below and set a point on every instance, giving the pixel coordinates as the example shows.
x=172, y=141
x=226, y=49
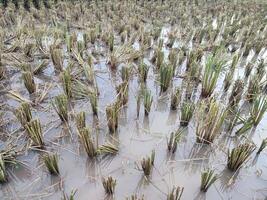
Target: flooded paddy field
x=134, y=100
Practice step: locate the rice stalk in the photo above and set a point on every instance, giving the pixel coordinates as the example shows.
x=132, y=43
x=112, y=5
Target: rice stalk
x=247, y=124
x=122, y=54
x=236, y=93
x=233, y=118
x=189, y=90
x=3, y=173
x=125, y=73
x=81, y=90
x=138, y=102
x=254, y=88
x=51, y=163
x=230, y=75
x=109, y=185
x=36, y=4
x=112, y=117
x=263, y=146
x=260, y=70
x=212, y=70
x=148, y=163
x=28, y=49
x=176, y=193
x=192, y=59
x=67, y=82
x=57, y=58
x=70, y=197
x=175, y=98
x=239, y=155
x=80, y=120
x=159, y=58
x=16, y=96
x=248, y=69
x=60, y=105
x=80, y=47
x=156, y=32
x=174, y=139
x=111, y=42
x=122, y=91
x=123, y=36
x=165, y=77
x=143, y=71
x=247, y=48
x=92, y=35
x=42, y=94
x=146, y=41
x=210, y=120
x=108, y=148
x=35, y=133
x=2, y=69
x=135, y=197
x=160, y=43
x=23, y=113
x=4, y=3
x=88, y=69
x=258, y=109
x=41, y=67
x=46, y=4
x=207, y=179
x=94, y=103
x=194, y=73
x=86, y=39
x=38, y=36
x=171, y=39
x=148, y=99
x=258, y=45
x=29, y=82
x=24, y=66
x=87, y=142
x=2, y=120
x=187, y=110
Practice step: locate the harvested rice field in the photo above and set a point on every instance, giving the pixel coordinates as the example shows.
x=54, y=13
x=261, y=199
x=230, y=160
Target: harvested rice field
x=133, y=99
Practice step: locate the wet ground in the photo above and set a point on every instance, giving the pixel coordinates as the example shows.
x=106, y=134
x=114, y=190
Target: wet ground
x=136, y=138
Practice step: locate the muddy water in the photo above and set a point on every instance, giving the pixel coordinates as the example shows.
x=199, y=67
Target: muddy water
x=136, y=137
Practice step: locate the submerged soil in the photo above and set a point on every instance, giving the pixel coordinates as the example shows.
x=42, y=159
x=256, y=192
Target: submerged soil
x=136, y=138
